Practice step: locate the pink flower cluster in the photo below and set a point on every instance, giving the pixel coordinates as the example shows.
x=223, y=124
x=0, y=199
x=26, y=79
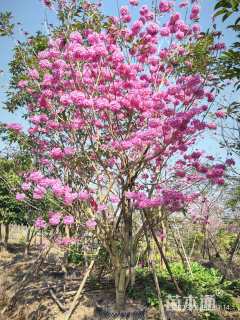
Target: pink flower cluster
x=15, y=127
x=40, y=223
x=66, y=241
x=171, y=199
x=59, y=154
x=43, y=184
x=54, y=219
x=108, y=113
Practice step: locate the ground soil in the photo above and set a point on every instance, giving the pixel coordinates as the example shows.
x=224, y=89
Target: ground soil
x=33, y=301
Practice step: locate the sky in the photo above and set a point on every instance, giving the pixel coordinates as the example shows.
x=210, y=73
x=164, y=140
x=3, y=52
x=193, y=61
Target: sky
x=32, y=14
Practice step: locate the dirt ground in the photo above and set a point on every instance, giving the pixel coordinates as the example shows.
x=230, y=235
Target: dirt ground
x=32, y=300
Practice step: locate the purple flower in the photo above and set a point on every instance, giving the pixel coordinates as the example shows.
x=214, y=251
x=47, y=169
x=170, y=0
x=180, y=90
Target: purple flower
x=26, y=186
x=83, y=195
x=68, y=220
x=101, y=208
x=20, y=196
x=57, y=153
x=40, y=223
x=15, y=126
x=54, y=218
x=91, y=224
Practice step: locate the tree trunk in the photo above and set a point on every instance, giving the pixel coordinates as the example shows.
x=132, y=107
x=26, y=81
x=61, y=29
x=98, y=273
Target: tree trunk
x=163, y=242
x=29, y=239
x=133, y=276
x=179, y=291
x=6, y=238
x=179, y=251
x=120, y=285
x=232, y=252
x=0, y=232
x=151, y=264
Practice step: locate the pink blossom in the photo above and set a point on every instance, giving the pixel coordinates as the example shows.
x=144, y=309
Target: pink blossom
x=195, y=12
x=39, y=192
x=162, y=235
x=35, y=176
x=196, y=28
x=22, y=84
x=20, y=196
x=15, y=127
x=47, y=3
x=230, y=162
x=105, y=111
x=180, y=35
x=219, y=181
x=114, y=199
x=126, y=19
x=76, y=36
x=124, y=11
x=164, y=6
x=66, y=99
x=212, y=125
x=26, y=186
x=33, y=73
x=101, y=207
x=54, y=218
x=152, y=29
x=40, y=223
x=69, y=151
x=219, y=46
x=134, y=2
x=44, y=161
x=164, y=31
x=183, y=4
x=68, y=220
x=70, y=197
x=65, y=241
x=45, y=182
x=144, y=10
x=45, y=64
x=220, y=114
x=58, y=190
x=180, y=173
x=91, y=224
x=83, y=195
x=57, y=153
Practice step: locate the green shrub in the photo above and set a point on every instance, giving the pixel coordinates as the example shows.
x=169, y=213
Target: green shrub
x=75, y=254
x=203, y=281
x=210, y=316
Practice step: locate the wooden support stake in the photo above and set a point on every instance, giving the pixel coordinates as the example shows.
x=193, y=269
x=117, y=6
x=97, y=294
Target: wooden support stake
x=76, y=298
x=60, y=305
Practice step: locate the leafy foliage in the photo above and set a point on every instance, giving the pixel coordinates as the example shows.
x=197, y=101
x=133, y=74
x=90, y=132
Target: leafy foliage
x=234, y=201
x=24, y=57
x=75, y=254
x=6, y=26
x=203, y=281
x=199, y=57
x=229, y=60
x=11, y=211
x=226, y=8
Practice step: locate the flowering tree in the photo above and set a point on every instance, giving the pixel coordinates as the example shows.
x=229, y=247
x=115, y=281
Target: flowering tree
x=115, y=130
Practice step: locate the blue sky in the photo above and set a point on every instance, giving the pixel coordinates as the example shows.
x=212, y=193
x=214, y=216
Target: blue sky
x=31, y=14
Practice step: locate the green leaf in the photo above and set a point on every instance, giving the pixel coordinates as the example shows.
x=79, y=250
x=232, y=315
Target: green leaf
x=226, y=15
x=220, y=12
x=220, y=4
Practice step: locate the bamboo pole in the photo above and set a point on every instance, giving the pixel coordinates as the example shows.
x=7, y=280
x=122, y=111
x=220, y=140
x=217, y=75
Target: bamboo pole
x=179, y=291
x=76, y=298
